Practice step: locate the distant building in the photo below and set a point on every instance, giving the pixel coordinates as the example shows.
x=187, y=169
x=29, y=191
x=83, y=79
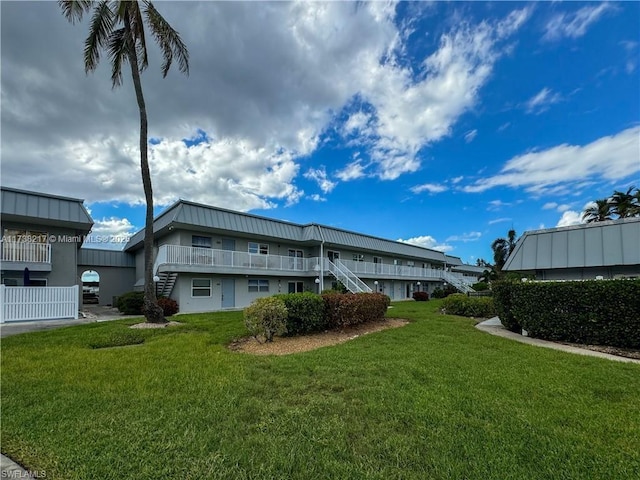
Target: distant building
x=607, y=250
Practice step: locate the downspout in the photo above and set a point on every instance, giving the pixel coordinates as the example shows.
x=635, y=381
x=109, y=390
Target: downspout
x=321, y=259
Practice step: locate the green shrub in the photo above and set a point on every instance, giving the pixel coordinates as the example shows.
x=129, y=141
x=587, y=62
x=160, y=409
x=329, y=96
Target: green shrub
x=440, y=292
x=169, y=306
x=266, y=316
x=342, y=310
x=130, y=303
x=420, y=296
x=305, y=312
x=117, y=338
x=502, y=298
x=480, y=286
x=460, y=304
x=600, y=312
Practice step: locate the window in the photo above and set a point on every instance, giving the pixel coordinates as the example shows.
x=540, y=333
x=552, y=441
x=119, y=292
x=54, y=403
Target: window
x=201, y=242
x=200, y=287
x=397, y=262
x=259, y=248
x=258, y=285
x=358, y=257
x=10, y=282
x=410, y=263
x=296, y=287
x=37, y=282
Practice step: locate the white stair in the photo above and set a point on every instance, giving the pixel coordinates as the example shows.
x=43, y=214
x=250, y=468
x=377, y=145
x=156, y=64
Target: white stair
x=456, y=282
x=347, y=277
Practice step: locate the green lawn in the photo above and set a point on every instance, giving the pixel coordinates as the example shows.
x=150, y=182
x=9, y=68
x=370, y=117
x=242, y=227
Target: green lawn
x=434, y=399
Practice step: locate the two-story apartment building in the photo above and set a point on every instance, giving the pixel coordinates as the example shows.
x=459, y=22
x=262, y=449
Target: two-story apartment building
x=209, y=258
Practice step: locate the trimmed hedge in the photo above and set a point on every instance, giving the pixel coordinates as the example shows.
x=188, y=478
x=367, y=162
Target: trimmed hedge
x=117, y=338
x=342, y=310
x=131, y=303
x=420, y=296
x=599, y=312
x=460, y=304
x=502, y=298
x=305, y=312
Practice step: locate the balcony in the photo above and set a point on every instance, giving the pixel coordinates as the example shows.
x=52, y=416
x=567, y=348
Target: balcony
x=18, y=255
x=176, y=258
x=194, y=259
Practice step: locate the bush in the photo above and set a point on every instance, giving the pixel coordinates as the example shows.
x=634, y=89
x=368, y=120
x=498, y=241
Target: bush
x=600, y=312
x=420, y=296
x=117, y=338
x=480, y=286
x=305, y=312
x=443, y=292
x=502, y=291
x=130, y=303
x=460, y=304
x=169, y=306
x=342, y=310
x=266, y=316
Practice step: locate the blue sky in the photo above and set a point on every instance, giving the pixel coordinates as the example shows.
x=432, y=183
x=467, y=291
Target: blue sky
x=441, y=124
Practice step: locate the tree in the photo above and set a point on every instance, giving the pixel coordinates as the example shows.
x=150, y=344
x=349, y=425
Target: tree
x=117, y=28
x=624, y=204
x=502, y=248
x=598, y=211
x=481, y=262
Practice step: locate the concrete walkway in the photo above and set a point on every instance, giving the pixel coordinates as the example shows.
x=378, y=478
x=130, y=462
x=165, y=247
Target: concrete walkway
x=10, y=469
x=494, y=327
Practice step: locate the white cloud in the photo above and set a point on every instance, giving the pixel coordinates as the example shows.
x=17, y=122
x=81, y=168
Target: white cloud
x=317, y=198
x=563, y=208
x=574, y=25
x=429, y=187
x=319, y=175
x=552, y=171
x=457, y=180
x=570, y=217
x=110, y=233
x=549, y=206
x=499, y=220
x=470, y=135
x=465, y=237
x=352, y=171
x=427, y=241
x=541, y=101
x=497, y=205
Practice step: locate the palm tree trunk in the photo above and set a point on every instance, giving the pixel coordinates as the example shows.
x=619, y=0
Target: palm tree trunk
x=152, y=311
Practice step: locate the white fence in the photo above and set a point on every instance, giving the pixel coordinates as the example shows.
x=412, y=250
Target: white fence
x=38, y=303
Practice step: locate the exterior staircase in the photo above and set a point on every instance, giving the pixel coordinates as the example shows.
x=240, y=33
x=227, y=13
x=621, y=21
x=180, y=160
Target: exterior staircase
x=166, y=283
x=456, y=282
x=347, y=277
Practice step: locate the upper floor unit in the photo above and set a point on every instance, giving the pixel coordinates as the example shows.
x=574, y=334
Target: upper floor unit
x=197, y=238
x=41, y=232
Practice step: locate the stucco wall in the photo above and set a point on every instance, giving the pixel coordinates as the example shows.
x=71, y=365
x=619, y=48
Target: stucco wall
x=114, y=281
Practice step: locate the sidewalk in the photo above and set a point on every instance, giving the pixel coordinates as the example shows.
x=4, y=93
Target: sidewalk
x=10, y=469
x=494, y=327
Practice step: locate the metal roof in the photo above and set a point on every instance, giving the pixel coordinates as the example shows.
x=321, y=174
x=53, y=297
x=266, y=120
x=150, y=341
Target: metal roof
x=184, y=214
x=93, y=257
x=44, y=209
x=599, y=244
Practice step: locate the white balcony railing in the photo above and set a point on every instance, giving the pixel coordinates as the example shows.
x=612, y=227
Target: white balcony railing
x=209, y=257
x=26, y=252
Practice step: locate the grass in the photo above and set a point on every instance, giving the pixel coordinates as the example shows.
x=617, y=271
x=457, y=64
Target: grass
x=435, y=399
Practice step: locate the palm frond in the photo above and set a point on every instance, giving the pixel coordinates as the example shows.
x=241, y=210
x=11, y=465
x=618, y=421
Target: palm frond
x=102, y=23
x=118, y=50
x=168, y=39
x=73, y=10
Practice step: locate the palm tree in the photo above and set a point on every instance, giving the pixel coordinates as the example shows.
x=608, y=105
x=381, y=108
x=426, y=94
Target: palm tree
x=598, y=211
x=502, y=248
x=117, y=28
x=624, y=203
